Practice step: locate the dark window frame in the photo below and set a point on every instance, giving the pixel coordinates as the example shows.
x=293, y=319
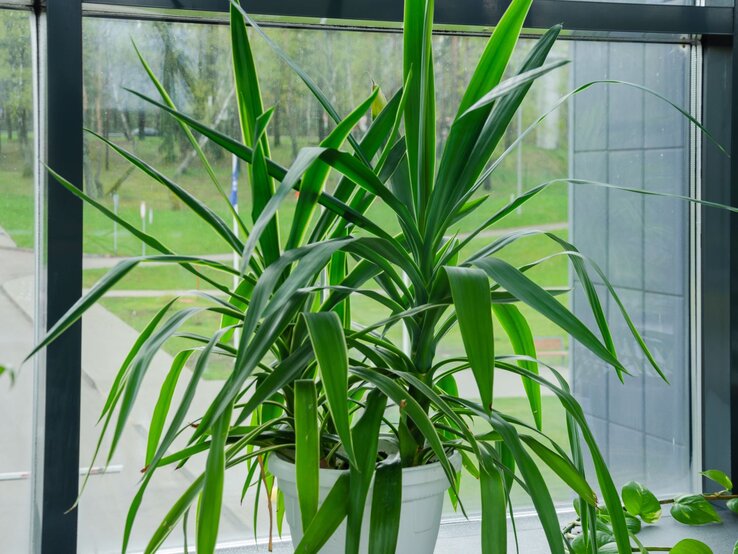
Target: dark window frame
x=60, y=23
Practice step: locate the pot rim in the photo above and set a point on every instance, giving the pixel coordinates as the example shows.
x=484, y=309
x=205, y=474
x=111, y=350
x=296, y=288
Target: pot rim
x=454, y=458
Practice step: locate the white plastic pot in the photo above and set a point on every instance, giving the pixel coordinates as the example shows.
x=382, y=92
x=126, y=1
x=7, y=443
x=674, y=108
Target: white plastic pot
x=423, y=491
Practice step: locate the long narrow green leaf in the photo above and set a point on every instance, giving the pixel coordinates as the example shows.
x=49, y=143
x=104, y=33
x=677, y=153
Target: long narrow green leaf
x=578, y=261
x=507, y=86
x=233, y=146
x=106, y=283
x=283, y=306
x=192, y=140
x=211, y=498
x=311, y=84
x=563, y=468
x=248, y=92
x=250, y=110
x=365, y=437
x=315, y=178
x=490, y=169
x=535, y=482
x=143, y=237
x=307, y=450
x=196, y=206
x=302, y=162
x=465, y=131
x=544, y=303
x=521, y=338
x=329, y=344
x=173, y=516
x=420, y=109
x=386, y=506
x=414, y=412
x=156, y=426
x=473, y=305
x=186, y=400
x=329, y=517
x=494, y=502
x=378, y=133
x=573, y=409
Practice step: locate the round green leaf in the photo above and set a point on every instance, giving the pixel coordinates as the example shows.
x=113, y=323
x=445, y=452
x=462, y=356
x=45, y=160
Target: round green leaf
x=719, y=477
x=641, y=502
x=690, y=546
x=732, y=505
x=602, y=538
x=694, y=510
x=631, y=522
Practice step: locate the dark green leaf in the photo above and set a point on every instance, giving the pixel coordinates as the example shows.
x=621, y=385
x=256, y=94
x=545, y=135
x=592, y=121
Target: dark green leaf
x=641, y=502
x=693, y=509
x=329, y=344
x=563, y=468
x=521, y=338
x=211, y=498
x=164, y=402
x=386, y=506
x=470, y=292
x=494, y=501
x=307, y=450
x=365, y=440
x=330, y=515
x=543, y=302
x=719, y=477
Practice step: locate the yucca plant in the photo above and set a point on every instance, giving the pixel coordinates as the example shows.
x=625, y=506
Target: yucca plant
x=312, y=386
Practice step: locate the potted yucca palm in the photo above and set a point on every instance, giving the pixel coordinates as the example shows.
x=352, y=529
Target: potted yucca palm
x=363, y=435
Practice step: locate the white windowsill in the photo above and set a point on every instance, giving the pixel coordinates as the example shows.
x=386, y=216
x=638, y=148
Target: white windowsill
x=463, y=536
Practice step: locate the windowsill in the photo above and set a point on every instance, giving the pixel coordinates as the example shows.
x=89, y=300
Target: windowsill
x=463, y=536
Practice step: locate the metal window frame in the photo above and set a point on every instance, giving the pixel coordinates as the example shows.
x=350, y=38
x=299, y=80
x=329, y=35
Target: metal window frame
x=60, y=55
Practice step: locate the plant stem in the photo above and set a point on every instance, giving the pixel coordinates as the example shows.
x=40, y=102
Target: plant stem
x=269, y=501
x=706, y=497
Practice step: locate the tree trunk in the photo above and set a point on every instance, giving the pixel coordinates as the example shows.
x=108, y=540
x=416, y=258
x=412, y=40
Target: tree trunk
x=23, y=139
x=321, y=123
x=9, y=123
x=106, y=134
x=275, y=127
x=291, y=129
x=141, y=124
x=203, y=139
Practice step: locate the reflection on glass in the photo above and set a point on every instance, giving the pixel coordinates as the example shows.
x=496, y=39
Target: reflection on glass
x=16, y=275
x=193, y=63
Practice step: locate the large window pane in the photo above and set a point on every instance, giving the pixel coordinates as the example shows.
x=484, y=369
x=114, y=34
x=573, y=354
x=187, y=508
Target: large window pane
x=642, y=141
x=626, y=137
x=16, y=275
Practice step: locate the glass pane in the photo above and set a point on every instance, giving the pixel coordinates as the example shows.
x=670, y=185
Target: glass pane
x=626, y=137
x=17, y=273
x=193, y=61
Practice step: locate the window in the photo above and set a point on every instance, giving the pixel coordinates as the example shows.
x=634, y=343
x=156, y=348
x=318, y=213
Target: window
x=648, y=248
x=582, y=139
x=17, y=274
